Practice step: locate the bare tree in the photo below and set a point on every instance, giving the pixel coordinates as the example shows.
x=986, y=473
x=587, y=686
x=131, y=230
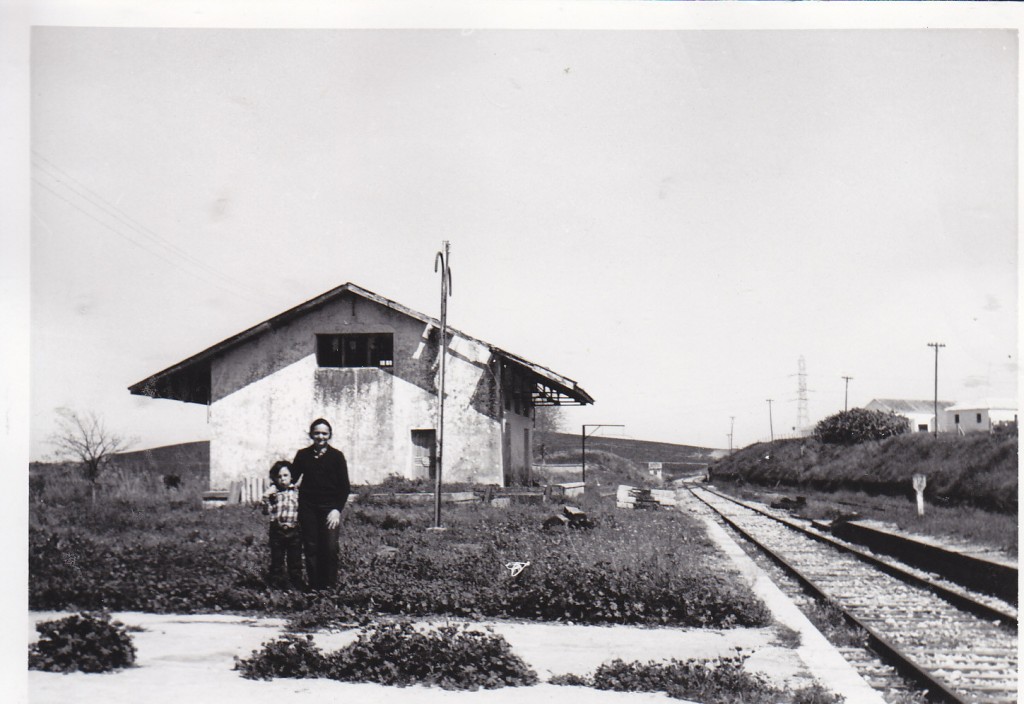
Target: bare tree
x=84, y=437
x=548, y=419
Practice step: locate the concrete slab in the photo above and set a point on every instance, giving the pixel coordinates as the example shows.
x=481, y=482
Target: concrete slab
x=190, y=659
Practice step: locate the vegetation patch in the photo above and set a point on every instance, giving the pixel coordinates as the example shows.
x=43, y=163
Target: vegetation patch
x=84, y=642
x=158, y=551
x=859, y=425
x=719, y=681
x=978, y=470
x=398, y=654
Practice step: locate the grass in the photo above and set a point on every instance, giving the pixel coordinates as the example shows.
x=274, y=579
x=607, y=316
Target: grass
x=971, y=491
x=997, y=531
x=141, y=546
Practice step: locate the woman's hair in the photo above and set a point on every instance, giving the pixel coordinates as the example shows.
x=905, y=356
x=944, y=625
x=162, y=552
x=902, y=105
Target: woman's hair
x=320, y=421
x=278, y=466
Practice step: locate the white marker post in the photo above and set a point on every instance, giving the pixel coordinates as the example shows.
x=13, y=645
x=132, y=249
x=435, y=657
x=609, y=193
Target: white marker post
x=919, y=483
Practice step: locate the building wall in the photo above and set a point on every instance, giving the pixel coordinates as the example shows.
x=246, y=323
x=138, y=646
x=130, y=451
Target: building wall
x=266, y=391
x=969, y=422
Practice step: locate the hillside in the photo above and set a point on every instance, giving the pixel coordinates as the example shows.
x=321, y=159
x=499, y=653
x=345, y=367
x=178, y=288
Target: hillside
x=193, y=459
x=190, y=459
x=975, y=470
x=676, y=459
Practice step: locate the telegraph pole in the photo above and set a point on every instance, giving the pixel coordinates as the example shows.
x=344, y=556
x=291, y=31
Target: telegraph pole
x=732, y=422
x=846, y=395
x=771, y=428
x=936, y=345
x=446, y=290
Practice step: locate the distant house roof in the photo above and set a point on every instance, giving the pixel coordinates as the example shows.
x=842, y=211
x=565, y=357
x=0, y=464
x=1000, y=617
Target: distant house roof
x=991, y=404
x=189, y=380
x=903, y=405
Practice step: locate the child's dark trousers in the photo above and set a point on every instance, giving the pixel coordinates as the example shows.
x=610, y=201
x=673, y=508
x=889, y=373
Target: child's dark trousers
x=285, y=548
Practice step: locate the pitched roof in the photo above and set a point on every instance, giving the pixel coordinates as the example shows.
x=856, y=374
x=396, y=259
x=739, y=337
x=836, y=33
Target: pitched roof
x=902, y=405
x=991, y=404
x=189, y=380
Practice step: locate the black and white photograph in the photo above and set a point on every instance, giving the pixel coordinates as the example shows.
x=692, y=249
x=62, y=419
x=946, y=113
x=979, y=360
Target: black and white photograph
x=512, y=352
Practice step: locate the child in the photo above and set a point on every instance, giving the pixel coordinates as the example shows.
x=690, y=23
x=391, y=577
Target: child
x=281, y=503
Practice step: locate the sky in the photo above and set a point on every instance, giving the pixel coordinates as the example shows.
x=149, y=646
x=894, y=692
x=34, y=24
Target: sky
x=672, y=218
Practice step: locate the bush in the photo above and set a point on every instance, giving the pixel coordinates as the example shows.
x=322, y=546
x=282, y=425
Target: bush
x=289, y=656
x=720, y=681
x=85, y=642
x=859, y=425
x=397, y=654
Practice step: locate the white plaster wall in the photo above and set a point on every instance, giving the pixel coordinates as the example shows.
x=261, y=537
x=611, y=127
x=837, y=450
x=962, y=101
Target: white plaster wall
x=266, y=391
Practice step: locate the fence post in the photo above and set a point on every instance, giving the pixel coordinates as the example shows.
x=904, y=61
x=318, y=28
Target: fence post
x=920, y=481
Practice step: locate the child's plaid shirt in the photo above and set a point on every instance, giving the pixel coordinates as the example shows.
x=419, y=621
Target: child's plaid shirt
x=282, y=506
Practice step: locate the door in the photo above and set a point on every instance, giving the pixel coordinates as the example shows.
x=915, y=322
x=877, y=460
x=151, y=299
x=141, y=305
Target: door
x=424, y=453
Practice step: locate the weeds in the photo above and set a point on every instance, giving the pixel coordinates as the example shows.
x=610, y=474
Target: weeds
x=398, y=654
x=84, y=642
x=719, y=681
x=158, y=551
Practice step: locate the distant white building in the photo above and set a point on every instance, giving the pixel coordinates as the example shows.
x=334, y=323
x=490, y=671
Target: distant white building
x=921, y=414
x=980, y=415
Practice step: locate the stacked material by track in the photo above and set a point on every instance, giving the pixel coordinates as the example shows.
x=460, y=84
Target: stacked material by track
x=639, y=498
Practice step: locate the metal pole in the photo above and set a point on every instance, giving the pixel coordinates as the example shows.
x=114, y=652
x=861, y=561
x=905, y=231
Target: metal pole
x=846, y=395
x=583, y=452
x=936, y=345
x=442, y=259
x=583, y=441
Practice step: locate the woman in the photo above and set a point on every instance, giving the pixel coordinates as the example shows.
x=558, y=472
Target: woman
x=322, y=496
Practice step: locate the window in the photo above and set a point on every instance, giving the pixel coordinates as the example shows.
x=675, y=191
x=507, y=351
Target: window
x=956, y=418
x=979, y=417
x=355, y=350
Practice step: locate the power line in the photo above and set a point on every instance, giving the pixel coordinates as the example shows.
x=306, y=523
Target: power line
x=62, y=176
x=137, y=243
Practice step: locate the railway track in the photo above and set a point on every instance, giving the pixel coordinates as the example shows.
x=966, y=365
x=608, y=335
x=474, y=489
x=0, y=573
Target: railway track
x=955, y=649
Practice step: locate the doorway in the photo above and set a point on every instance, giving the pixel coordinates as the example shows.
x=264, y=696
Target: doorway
x=424, y=453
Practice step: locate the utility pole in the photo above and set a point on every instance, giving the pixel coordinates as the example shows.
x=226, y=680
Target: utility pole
x=446, y=291
x=771, y=427
x=802, y=415
x=732, y=422
x=936, y=345
x=583, y=442
x=846, y=395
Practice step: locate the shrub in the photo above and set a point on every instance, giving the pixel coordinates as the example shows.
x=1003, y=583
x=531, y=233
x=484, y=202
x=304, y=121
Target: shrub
x=397, y=654
x=85, y=642
x=859, y=425
x=289, y=656
x=450, y=657
x=719, y=681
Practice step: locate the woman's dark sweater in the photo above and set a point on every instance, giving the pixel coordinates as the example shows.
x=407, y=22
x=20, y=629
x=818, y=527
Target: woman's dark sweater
x=324, y=479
